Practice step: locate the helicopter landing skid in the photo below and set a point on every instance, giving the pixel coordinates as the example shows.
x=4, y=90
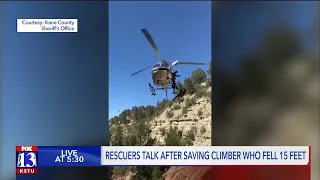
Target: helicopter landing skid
x=153, y=91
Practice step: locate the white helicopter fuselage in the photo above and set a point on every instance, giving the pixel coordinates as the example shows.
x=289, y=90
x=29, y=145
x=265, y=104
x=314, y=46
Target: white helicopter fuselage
x=161, y=76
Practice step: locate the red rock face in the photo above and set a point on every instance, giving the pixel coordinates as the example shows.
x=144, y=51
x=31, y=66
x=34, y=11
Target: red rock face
x=186, y=173
x=239, y=173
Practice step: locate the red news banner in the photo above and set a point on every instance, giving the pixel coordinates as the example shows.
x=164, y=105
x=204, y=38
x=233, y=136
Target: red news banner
x=294, y=172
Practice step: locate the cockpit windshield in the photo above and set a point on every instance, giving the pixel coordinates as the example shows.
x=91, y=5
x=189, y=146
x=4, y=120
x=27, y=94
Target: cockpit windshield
x=156, y=65
x=161, y=64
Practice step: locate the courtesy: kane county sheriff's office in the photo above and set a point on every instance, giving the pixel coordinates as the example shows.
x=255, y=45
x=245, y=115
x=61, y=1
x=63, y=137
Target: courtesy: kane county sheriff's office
x=48, y=22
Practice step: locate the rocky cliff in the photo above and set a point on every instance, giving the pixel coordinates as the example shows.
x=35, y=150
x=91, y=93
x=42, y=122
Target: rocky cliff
x=197, y=117
x=186, y=120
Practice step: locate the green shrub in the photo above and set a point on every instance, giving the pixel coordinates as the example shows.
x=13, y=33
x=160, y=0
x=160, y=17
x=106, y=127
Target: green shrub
x=176, y=107
x=188, y=84
x=162, y=131
x=156, y=174
x=209, y=82
x=193, y=101
x=120, y=170
x=202, y=129
x=130, y=140
x=143, y=172
x=189, y=138
x=188, y=103
x=173, y=138
x=194, y=129
x=117, y=137
x=200, y=112
x=185, y=110
x=169, y=114
x=202, y=92
x=198, y=76
x=209, y=100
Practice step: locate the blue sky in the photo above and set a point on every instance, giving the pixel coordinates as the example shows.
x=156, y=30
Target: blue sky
x=181, y=30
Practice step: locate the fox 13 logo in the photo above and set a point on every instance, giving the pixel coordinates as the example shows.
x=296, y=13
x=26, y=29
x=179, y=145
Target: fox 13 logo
x=27, y=161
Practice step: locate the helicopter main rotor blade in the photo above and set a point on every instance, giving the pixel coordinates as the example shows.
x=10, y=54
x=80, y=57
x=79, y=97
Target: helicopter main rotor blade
x=141, y=70
x=151, y=41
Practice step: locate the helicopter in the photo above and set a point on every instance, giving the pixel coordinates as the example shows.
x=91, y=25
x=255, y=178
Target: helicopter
x=163, y=76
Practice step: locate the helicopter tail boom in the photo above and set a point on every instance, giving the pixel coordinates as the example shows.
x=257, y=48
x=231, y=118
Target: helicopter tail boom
x=175, y=63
